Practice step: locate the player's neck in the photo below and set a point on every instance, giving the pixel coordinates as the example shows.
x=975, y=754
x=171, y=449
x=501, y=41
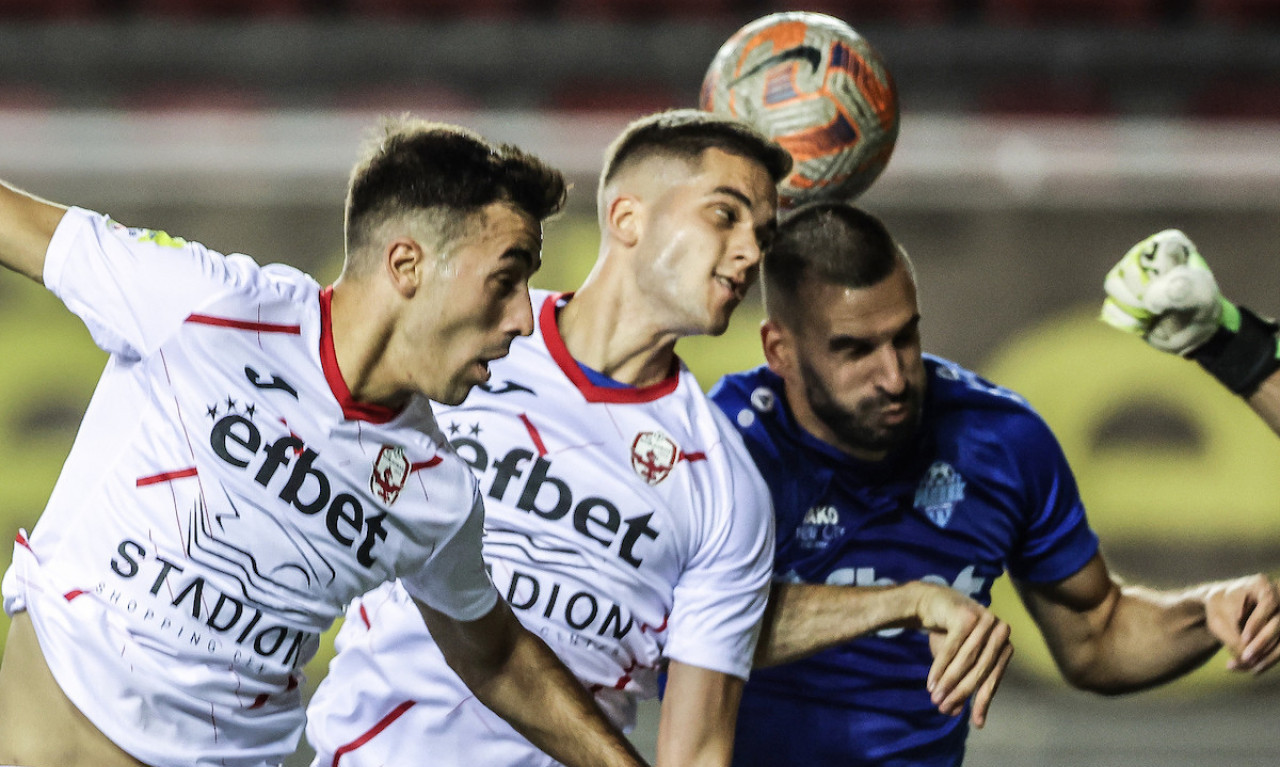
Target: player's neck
x=608, y=331
x=360, y=345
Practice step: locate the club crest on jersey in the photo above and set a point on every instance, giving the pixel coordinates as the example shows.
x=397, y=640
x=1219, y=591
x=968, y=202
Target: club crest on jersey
x=653, y=456
x=390, y=471
x=939, y=492
x=763, y=399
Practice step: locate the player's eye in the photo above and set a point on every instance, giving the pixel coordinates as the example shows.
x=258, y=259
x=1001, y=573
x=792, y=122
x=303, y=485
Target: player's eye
x=726, y=215
x=850, y=348
x=909, y=336
x=504, y=283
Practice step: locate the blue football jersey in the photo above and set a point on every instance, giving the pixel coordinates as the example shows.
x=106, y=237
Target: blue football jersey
x=982, y=488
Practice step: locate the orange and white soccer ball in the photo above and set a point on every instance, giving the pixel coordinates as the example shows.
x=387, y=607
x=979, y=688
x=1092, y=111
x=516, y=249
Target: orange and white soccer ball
x=813, y=84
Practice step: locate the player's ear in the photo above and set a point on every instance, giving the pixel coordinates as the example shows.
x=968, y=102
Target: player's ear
x=624, y=219
x=405, y=264
x=779, y=347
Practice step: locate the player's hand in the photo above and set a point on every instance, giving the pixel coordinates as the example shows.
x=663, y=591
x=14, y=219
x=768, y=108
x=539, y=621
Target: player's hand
x=1162, y=290
x=971, y=651
x=1244, y=614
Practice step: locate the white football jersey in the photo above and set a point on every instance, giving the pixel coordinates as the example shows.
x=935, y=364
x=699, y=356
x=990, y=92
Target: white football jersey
x=224, y=499
x=623, y=526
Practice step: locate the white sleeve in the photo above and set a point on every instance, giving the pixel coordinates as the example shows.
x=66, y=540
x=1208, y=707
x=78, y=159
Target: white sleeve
x=134, y=287
x=455, y=580
x=720, y=597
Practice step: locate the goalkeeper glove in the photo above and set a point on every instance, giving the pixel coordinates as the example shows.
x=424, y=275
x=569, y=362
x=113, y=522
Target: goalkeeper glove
x=1162, y=289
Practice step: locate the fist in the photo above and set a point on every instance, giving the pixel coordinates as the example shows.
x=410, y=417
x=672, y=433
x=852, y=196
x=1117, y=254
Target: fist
x=1162, y=290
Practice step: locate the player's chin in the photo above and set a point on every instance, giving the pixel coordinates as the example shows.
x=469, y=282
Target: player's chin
x=718, y=318
x=896, y=434
x=462, y=384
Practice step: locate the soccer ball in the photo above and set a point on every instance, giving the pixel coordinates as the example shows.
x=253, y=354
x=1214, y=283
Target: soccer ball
x=818, y=88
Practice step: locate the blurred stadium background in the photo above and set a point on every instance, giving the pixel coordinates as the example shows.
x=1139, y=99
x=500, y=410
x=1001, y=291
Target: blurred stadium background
x=1040, y=138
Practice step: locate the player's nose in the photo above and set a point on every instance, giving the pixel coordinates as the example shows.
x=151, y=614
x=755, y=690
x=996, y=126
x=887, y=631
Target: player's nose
x=746, y=248
x=518, y=319
x=890, y=369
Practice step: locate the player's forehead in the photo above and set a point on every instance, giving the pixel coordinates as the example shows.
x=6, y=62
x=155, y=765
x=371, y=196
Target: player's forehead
x=720, y=175
x=501, y=234
x=875, y=312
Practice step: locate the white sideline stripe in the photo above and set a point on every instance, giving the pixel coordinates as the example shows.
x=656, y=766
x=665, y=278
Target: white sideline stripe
x=940, y=160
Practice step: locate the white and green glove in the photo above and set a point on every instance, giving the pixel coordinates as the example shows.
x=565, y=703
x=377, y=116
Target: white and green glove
x=1162, y=290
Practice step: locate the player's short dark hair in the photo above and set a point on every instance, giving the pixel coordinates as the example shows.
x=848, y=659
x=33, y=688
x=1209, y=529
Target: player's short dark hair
x=445, y=172
x=830, y=242
x=686, y=134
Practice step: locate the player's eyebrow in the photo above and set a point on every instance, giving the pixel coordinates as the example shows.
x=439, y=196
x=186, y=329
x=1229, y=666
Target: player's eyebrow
x=531, y=260
x=849, y=340
x=734, y=193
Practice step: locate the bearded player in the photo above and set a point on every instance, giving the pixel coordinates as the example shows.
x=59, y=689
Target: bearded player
x=625, y=523
x=259, y=451
x=886, y=466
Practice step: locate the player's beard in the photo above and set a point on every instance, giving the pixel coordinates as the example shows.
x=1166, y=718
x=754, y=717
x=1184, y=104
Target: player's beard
x=860, y=428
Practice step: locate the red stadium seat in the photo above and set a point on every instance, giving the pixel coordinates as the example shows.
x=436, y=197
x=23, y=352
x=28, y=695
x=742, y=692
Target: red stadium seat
x=639, y=98
x=644, y=9
x=424, y=99
x=1046, y=98
x=47, y=10
x=857, y=12
x=1237, y=98
x=1239, y=12
x=26, y=96
x=437, y=8
x=1030, y=12
x=195, y=97
x=221, y=8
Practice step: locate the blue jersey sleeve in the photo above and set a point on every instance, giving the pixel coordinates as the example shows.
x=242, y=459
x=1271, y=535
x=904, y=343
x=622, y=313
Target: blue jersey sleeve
x=1058, y=539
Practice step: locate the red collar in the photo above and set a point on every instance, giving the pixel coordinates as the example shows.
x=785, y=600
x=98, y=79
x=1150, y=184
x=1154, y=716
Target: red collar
x=547, y=320
x=351, y=409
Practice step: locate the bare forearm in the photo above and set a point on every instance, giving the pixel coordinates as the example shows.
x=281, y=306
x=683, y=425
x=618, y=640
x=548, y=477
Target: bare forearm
x=699, y=714
x=1266, y=401
x=803, y=619
x=26, y=227
x=517, y=676
x=563, y=720
x=1151, y=637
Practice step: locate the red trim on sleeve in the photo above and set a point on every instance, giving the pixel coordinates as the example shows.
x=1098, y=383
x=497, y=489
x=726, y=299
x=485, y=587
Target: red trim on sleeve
x=435, y=460
x=167, y=476
x=569, y=366
x=351, y=409
x=257, y=327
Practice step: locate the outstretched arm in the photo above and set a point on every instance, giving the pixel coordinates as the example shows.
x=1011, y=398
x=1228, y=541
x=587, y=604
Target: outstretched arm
x=1163, y=290
x=517, y=676
x=1112, y=638
x=26, y=227
x=970, y=644
x=1266, y=401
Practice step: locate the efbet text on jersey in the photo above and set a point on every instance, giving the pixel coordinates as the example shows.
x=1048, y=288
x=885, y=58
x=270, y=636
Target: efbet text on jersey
x=236, y=440
x=596, y=519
